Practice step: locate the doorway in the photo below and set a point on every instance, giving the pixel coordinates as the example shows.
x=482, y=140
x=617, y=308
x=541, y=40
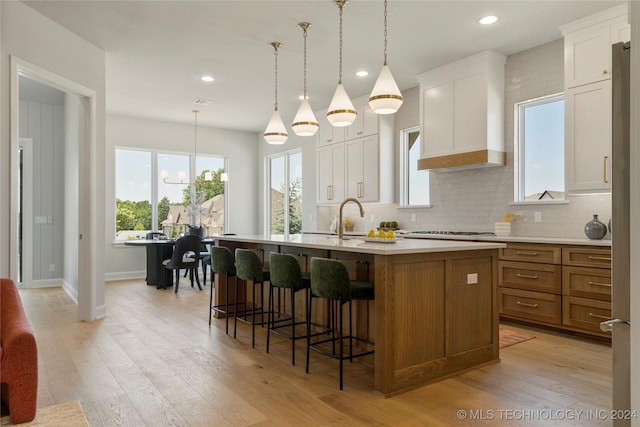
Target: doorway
x=51, y=135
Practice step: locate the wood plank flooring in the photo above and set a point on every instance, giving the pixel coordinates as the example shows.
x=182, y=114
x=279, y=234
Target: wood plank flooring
x=154, y=361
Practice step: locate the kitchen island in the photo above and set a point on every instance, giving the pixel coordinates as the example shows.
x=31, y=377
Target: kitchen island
x=435, y=312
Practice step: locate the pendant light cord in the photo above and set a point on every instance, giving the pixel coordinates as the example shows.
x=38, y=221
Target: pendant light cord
x=340, y=71
x=195, y=132
x=385, y=32
x=304, y=32
x=275, y=53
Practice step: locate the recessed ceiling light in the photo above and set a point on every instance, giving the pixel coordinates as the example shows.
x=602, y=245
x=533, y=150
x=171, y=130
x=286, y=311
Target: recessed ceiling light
x=202, y=101
x=362, y=73
x=488, y=20
x=207, y=78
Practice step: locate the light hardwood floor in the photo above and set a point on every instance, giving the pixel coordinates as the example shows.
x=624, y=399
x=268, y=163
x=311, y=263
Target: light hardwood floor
x=154, y=361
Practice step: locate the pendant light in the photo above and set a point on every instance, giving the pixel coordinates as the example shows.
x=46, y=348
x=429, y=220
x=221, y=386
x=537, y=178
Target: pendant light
x=182, y=175
x=305, y=123
x=276, y=133
x=385, y=97
x=341, y=111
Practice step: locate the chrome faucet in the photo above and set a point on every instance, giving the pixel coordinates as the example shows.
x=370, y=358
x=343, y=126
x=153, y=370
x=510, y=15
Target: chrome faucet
x=344, y=202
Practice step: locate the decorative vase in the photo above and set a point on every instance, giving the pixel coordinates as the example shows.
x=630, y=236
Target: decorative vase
x=595, y=229
x=334, y=224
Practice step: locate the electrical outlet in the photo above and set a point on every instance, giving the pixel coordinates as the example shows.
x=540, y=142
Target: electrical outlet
x=472, y=279
x=52, y=267
x=413, y=217
x=537, y=216
x=373, y=218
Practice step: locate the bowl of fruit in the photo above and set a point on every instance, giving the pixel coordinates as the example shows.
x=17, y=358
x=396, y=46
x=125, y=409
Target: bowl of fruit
x=388, y=225
x=381, y=236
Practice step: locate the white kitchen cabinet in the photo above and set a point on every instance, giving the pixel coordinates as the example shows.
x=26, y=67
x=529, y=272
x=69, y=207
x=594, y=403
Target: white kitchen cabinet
x=328, y=134
x=330, y=167
x=588, y=137
x=362, y=160
x=461, y=110
x=366, y=123
x=587, y=45
x=587, y=84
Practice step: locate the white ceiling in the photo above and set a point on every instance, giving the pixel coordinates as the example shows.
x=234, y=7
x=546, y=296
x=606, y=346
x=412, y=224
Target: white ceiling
x=156, y=51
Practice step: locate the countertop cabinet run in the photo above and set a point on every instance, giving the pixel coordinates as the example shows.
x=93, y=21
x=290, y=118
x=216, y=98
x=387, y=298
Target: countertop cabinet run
x=561, y=286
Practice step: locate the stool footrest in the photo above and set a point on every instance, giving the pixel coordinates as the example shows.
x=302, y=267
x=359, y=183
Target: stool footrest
x=345, y=355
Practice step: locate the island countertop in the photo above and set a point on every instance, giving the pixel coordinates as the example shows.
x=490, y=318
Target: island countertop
x=359, y=245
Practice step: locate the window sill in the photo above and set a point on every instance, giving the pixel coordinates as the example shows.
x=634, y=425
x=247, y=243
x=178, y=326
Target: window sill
x=540, y=202
x=414, y=206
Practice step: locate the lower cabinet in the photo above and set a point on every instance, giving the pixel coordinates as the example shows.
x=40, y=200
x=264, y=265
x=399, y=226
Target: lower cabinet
x=555, y=285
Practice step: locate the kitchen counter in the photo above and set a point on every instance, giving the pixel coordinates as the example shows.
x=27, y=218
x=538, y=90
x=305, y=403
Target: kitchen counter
x=488, y=238
x=435, y=312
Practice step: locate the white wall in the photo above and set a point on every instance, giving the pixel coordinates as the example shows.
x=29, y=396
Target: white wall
x=475, y=199
x=71, y=205
x=242, y=196
x=37, y=40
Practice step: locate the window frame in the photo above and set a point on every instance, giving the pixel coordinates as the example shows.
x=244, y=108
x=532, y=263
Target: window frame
x=267, y=189
x=518, y=149
x=155, y=180
x=405, y=169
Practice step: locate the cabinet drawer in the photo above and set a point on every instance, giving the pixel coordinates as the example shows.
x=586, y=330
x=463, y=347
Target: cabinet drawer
x=585, y=313
x=527, y=305
x=587, y=257
x=531, y=253
x=585, y=282
x=530, y=276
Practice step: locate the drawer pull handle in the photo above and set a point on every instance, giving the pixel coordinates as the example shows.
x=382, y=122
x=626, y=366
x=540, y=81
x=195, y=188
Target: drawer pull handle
x=527, y=276
x=526, y=304
x=527, y=253
x=604, y=170
x=608, y=285
x=597, y=316
x=600, y=258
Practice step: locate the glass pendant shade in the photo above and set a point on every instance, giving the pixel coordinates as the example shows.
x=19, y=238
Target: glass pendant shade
x=276, y=133
x=341, y=111
x=385, y=97
x=305, y=123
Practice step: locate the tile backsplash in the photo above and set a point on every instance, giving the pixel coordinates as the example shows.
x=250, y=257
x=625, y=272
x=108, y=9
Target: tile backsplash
x=474, y=199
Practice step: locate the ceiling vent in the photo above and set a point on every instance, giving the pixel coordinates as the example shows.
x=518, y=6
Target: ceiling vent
x=201, y=101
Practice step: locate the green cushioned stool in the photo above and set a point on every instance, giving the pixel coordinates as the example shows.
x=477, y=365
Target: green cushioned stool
x=249, y=268
x=221, y=263
x=286, y=274
x=330, y=280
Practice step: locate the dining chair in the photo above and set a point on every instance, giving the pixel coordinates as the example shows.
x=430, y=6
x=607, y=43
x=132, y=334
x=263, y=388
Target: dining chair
x=186, y=254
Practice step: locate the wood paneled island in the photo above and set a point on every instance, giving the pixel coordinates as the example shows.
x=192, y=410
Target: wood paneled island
x=435, y=312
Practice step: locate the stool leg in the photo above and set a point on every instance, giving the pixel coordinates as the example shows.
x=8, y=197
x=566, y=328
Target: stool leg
x=177, y=279
x=350, y=334
x=226, y=304
x=210, y=305
x=340, y=336
x=309, y=300
x=293, y=327
x=270, y=316
x=253, y=315
x=235, y=312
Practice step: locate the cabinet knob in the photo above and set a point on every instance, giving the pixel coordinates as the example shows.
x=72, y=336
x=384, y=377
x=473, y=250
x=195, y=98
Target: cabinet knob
x=605, y=72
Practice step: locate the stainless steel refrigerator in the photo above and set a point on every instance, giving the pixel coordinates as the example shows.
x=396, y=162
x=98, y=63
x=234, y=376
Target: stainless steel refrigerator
x=620, y=248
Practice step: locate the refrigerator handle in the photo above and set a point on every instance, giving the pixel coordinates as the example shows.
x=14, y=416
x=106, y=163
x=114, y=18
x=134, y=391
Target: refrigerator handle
x=608, y=325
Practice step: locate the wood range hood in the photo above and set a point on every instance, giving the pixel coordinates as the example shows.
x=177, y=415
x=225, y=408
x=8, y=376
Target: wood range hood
x=470, y=160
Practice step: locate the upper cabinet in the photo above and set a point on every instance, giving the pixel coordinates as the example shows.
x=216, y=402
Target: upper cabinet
x=461, y=110
x=357, y=160
x=587, y=44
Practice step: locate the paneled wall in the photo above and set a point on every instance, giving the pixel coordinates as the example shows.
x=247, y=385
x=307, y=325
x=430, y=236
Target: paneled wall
x=475, y=199
x=44, y=124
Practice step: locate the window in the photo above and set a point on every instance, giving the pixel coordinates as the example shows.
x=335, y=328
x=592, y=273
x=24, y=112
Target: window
x=285, y=184
x=414, y=183
x=539, y=149
x=145, y=204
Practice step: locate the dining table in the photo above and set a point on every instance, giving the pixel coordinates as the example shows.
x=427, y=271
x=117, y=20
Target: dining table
x=158, y=250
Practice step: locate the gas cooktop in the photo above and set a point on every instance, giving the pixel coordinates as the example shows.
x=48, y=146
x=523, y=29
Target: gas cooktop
x=456, y=233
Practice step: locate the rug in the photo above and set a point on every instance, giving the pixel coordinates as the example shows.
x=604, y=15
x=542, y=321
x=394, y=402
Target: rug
x=508, y=337
x=65, y=414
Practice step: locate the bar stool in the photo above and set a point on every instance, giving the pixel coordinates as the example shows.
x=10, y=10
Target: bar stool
x=330, y=280
x=286, y=274
x=221, y=263
x=249, y=268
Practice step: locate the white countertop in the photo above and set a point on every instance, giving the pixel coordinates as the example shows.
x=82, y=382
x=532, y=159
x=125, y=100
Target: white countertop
x=488, y=238
x=357, y=244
